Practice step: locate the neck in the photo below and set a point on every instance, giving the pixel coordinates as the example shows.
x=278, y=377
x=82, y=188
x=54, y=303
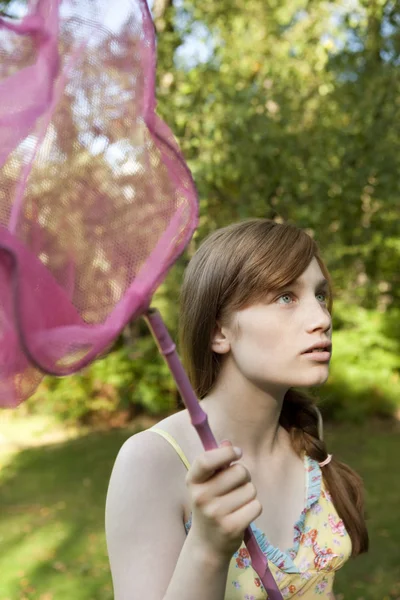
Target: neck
x=246, y=415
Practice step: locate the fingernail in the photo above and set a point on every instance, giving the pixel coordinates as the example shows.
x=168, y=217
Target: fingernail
x=237, y=451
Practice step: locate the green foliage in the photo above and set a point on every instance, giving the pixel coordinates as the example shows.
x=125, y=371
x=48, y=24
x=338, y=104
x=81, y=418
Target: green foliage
x=364, y=378
x=365, y=368
x=291, y=111
x=131, y=380
x=295, y=116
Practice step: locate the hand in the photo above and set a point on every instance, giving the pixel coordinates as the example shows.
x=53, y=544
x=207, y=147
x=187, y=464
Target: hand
x=224, y=500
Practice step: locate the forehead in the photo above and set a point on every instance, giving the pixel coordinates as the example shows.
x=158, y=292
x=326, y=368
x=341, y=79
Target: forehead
x=312, y=276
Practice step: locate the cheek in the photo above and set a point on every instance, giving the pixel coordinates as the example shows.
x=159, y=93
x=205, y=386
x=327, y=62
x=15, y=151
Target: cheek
x=258, y=348
x=269, y=337
x=262, y=341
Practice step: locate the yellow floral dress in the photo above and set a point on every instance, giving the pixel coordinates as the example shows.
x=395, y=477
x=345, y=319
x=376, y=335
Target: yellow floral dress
x=321, y=545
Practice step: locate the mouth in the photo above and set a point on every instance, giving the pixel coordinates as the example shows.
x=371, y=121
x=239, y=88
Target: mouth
x=319, y=346
x=322, y=355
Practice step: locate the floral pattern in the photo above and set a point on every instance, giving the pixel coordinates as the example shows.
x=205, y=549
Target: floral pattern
x=321, y=545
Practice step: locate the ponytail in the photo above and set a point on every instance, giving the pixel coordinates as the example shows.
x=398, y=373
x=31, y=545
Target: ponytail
x=302, y=419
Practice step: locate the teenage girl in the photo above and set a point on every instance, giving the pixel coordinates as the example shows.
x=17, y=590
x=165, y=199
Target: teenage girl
x=255, y=325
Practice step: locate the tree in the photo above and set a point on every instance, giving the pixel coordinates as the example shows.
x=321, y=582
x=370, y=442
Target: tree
x=290, y=111
x=295, y=116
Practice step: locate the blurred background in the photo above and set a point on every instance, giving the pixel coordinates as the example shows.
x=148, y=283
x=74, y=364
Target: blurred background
x=284, y=109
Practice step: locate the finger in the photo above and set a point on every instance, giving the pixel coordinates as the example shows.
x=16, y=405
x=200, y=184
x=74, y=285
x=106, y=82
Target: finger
x=222, y=483
x=241, y=518
x=230, y=503
x=226, y=480
x=207, y=463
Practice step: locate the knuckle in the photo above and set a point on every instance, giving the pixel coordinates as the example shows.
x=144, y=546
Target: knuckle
x=251, y=488
x=198, y=498
x=258, y=506
x=202, y=462
x=243, y=473
x=210, y=511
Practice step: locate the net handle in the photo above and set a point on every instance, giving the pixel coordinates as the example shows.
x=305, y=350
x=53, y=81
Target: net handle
x=199, y=421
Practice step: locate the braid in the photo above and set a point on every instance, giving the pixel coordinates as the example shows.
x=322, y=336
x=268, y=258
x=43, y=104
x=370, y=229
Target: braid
x=302, y=419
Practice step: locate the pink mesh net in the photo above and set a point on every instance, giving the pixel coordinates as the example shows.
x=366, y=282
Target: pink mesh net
x=96, y=201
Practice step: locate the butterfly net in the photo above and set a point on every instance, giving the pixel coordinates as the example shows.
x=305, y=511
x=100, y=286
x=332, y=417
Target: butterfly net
x=96, y=201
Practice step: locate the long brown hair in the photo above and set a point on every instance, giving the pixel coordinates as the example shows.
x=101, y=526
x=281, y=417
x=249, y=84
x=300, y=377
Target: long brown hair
x=236, y=266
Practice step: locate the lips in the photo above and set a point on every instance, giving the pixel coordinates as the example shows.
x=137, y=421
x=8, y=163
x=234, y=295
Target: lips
x=324, y=346
x=324, y=356
x=317, y=350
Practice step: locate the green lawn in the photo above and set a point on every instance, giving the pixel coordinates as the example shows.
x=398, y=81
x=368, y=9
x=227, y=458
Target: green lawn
x=52, y=496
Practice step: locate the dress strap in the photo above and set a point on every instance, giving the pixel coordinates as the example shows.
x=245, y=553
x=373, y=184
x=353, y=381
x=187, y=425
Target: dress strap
x=173, y=443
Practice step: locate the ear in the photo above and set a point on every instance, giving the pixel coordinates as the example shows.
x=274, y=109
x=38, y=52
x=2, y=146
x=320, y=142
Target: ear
x=220, y=343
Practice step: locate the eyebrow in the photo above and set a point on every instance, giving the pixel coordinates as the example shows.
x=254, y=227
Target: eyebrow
x=321, y=283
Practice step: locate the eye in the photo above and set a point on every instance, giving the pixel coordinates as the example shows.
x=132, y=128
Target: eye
x=285, y=295
x=325, y=296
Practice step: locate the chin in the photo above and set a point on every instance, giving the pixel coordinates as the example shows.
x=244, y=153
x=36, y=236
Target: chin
x=313, y=379
x=318, y=380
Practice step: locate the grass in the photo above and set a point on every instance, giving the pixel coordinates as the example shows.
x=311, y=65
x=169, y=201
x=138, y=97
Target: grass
x=52, y=496
x=373, y=450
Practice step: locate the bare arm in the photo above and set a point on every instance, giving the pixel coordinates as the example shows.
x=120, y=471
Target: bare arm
x=150, y=554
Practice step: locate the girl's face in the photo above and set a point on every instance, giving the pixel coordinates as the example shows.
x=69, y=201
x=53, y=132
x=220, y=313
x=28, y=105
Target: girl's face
x=267, y=340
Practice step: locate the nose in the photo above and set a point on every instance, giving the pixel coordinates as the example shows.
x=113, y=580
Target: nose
x=318, y=317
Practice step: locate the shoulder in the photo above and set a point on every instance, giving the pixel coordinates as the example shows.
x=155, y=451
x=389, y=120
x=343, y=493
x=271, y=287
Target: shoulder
x=180, y=427
x=148, y=452
x=147, y=455
x=146, y=468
